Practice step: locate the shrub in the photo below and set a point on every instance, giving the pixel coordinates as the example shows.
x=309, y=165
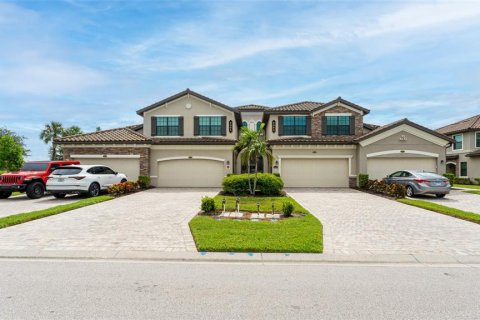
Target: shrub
x=477, y=180
x=143, y=182
x=287, y=208
x=276, y=174
x=208, y=204
x=393, y=189
x=362, y=180
x=450, y=177
x=267, y=184
x=122, y=188
x=459, y=180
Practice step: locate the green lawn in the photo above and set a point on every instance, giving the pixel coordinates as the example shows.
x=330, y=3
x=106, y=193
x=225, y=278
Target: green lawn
x=465, y=215
x=33, y=215
x=16, y=194
x=302, y=234
x=250, y=203
x=469, y=186
x=474, y=192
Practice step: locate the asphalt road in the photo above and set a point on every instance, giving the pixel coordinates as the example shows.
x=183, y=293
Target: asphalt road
x=39, y=289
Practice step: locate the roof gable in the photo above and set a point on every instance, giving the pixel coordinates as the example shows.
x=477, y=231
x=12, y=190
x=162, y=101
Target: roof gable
x=472, y=123
x=118, y=135
x=340, y=101
x=181, y=94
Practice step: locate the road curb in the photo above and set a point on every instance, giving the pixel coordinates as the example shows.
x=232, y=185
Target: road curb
x=242, y=257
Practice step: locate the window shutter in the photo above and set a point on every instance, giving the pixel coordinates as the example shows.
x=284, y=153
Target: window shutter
x=280, y=125
x=224, y=126
x=324, y=125
x=309, y=125
x=352, y=125
x=196, y=127
x=180, y=126
x=153, y=128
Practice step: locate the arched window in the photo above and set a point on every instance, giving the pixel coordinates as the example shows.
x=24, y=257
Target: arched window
x=244, y=124
x=259, y=123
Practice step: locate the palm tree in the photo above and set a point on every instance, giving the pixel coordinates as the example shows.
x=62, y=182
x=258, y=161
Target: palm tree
x=52, y=131
x=252, y=146
x=71, y=131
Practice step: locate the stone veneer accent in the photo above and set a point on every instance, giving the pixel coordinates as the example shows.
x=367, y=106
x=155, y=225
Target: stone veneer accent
x=317, y=122
x=352, y=182
x=144, y=153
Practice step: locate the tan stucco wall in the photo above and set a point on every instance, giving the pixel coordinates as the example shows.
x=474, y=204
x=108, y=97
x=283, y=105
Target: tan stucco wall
x=222, y=152
x=393, y=142
x=473, y=164
x=252, y=118
x=198, y=107
x=316, y=151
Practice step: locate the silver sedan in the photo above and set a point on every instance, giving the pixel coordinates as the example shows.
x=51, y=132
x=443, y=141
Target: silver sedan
x=420, y=182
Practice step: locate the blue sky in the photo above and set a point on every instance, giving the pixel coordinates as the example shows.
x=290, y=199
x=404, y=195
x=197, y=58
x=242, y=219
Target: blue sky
x=96, y=63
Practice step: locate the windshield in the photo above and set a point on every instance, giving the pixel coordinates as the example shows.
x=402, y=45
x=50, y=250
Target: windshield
x=35, y=166
x=67, y=171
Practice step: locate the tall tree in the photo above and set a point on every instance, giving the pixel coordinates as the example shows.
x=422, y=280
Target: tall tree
x=18, y=139
x=252, y=146
x=52, y=131
x=11, y=154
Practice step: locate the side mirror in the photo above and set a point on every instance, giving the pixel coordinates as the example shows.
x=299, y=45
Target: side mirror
x=116, y=173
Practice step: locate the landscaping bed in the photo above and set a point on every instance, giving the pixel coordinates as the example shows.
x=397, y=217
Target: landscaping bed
x=300, y=233
x=456, y=213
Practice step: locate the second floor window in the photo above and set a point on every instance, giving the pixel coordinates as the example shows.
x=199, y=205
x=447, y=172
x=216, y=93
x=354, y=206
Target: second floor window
x=477, y=139
x=338, y=125
x=458, y=145
x=294, y=125
x=210, y=126
x=168, y=126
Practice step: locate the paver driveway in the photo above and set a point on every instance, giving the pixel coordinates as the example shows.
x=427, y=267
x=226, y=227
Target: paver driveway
x=22, y=203
x=153, y=220
x=357, y=222
x=456, y=199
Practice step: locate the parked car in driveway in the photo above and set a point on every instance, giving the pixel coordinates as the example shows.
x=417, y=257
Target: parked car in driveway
x=421, y=182
x=87, y=179
x=31, y=178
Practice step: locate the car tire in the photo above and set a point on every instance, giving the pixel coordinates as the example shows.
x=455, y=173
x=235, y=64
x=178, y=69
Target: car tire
x=123, y=180
x=410, y=192
x=440, y=195
x=94, y=190
x=5, y=195
x=35, y=190
x=59, y=195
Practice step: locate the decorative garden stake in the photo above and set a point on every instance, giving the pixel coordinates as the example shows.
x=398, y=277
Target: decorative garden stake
x=273, y=207
x=224, y=201
x=237, y=204
x=258, y=207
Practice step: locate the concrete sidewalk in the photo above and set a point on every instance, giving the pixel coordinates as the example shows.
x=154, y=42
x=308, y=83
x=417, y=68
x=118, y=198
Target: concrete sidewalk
x=419, y=259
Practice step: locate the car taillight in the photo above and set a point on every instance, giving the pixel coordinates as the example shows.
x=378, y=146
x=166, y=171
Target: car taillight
x=78, y=178
x=422, y=181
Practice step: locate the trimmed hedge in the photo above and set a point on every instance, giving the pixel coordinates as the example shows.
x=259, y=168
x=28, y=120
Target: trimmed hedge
x=267, y=184
x=458, y=180
x=395, y=190
x=362, y=180
x=450, y=177
x=144, y=182
x=208, y=204
x=118, y=189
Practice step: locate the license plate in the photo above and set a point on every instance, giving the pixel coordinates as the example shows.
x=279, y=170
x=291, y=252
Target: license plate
x=61, y=179
x=437, y=184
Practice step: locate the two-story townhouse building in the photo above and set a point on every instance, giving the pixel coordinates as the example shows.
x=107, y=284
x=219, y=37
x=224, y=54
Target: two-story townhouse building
x=187, y=140
x=463, y=157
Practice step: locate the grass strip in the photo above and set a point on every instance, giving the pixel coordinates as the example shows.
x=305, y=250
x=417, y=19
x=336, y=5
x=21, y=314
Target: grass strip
x=34, y=215
x=250, y=203
x=467, y=186
x=473, y=192
x=456, y=213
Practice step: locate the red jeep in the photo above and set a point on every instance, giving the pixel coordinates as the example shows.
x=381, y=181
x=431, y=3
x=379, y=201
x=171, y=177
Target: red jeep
x=30, y=179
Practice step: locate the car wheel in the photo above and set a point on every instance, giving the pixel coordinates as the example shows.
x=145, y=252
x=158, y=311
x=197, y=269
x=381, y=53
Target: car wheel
x=410, y=192
x=123, y=180
x=5, y=195
x=35, y=190
x=94, y=190
x=59, y=195
x=440, y=195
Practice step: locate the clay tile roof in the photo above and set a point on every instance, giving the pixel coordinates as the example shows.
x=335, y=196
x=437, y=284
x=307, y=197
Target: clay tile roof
x=305, y=140
x=472, y=123
x=252, y=107
x=118, y=135
x=398, y=123
x=194, y=141
x=473, y=154
x=370, y=126
x=304, y=106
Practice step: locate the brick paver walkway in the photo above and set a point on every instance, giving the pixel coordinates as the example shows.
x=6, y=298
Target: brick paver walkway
x=357, y=222
x=155, y=220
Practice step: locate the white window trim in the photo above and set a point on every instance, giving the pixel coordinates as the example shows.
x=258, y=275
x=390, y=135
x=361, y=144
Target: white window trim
x=453, y=145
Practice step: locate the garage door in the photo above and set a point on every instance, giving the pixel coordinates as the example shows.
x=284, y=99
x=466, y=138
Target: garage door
x=379, y=168
x=315, y=172
x=190, y=173
x=129, y=166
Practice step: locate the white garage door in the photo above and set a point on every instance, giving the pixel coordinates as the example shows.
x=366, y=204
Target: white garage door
x=128, y=166
x=190, y=173
x=379, y=168
x=315, y=172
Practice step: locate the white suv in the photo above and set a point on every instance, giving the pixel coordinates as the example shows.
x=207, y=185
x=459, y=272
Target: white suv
x=91, y=179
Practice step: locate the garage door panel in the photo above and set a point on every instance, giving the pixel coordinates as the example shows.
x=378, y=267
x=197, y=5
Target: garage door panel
x=190, y=173
x=331, y=173
x=130, y=167
x=379, y=168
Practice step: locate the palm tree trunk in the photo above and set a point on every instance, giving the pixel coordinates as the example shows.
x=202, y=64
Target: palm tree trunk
x=256, y=178
x=249, y=182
